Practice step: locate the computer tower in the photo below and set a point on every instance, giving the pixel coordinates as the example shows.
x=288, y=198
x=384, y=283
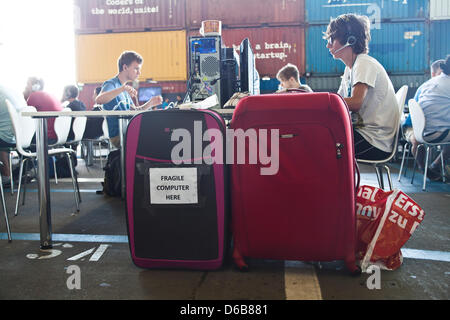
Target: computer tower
x=204, y=67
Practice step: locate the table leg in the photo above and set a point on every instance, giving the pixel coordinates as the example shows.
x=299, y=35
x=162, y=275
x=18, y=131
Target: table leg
x=122, y=131
x=90, y=152
x=45, y=215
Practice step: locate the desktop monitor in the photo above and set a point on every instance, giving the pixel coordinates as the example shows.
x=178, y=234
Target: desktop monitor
x=247, y=67
x=146, y=93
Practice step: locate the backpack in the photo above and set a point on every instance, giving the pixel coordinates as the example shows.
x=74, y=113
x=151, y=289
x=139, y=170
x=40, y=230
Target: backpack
x=112, y=184
x=62, y=166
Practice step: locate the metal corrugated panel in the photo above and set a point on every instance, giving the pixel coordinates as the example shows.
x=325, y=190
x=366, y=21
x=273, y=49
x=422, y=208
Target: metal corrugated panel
x=321, y=11
x=164, y=55
x=399, y=47
x=100, y=16
x=243, y=13
x=413, y=81
x=439, y=9
x=402, y=47
x=328, y=84
x=318, y=58
x=331, y=83
x=273, y=47
x=439, y=35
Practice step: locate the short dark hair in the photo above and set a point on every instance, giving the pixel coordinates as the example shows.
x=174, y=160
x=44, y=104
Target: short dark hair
x=71, y=92
x=287, y=72
x=347, y=25
x=445, y=66
x=127, y=58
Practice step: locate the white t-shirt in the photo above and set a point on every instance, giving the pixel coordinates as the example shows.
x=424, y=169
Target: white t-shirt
x=379, y=113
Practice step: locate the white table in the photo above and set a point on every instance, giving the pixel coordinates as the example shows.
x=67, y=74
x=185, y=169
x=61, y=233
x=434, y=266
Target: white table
x=42, y=153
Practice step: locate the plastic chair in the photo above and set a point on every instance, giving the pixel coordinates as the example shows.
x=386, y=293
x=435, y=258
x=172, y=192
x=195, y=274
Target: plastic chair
x=78, y=127
x=99, y=141
x=380, y=164
x=11, y=152
x=62, y=129
x=407, y=148
x=418, y=124
x=24, y=130
x=8, y=229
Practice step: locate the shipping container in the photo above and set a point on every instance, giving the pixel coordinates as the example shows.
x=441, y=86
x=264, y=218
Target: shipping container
x=245, y=13
x=413, y=81
x=324, y=83
x=439, y=39
x=399, y=47
x=273, y=47
x=169, y=89
x=321, y=11
x=87, y=94
x=101, y=16
x=439, y=9
x=164, y=55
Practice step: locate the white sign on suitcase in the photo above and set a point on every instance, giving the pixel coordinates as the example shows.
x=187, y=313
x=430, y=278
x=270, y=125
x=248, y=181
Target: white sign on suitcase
x=173, y=186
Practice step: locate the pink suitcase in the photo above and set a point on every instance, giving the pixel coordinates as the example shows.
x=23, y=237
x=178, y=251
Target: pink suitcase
x=306, y=210
x=167, y=228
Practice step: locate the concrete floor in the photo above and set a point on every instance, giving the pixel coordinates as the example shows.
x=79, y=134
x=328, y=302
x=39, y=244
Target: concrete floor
x=95, y=241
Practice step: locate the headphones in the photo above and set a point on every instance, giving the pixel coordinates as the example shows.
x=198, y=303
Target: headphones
x=351, y=40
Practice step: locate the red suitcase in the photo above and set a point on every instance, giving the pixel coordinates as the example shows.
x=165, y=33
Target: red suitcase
x=305, y=210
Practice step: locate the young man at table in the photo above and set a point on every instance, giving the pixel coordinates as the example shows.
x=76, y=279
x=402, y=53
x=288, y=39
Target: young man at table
x=289, y=78
x=116, y=94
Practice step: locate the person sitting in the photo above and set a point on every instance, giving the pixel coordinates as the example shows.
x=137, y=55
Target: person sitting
x=70, y=99
x=116, y=94
x=7, y=138
x=42, y=101
x=434, y=100
x=365, y=87
x=407, y=124
x=289, y=78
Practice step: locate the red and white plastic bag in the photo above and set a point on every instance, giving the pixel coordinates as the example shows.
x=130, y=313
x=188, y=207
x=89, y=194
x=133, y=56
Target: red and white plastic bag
x=385, y=222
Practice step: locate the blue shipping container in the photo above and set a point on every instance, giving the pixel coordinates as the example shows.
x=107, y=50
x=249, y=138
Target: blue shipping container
x=321, y=11
x=439, y=36
x=399, y=47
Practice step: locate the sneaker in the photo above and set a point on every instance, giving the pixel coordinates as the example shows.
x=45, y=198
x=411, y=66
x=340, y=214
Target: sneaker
x=434, y=175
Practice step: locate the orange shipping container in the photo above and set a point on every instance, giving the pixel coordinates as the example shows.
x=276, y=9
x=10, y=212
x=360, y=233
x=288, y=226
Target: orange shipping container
x=164, y=55
x=245, y=13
